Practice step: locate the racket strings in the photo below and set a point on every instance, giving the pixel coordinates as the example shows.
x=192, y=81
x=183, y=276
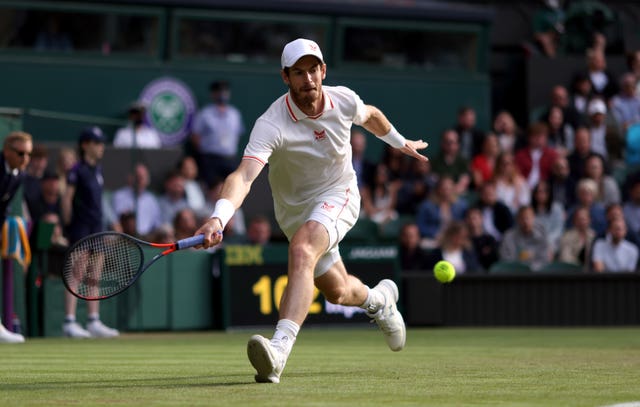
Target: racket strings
x=102, y=265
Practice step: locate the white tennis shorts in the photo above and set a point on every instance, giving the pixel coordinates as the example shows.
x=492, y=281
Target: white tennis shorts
x=336, y=211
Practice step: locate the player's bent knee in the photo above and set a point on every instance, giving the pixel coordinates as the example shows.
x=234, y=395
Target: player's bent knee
x=301, y=251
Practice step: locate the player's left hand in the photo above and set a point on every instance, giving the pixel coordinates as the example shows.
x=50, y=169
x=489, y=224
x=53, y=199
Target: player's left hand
x=411, y=148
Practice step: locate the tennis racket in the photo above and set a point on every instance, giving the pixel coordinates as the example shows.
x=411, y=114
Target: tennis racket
x=105, y=264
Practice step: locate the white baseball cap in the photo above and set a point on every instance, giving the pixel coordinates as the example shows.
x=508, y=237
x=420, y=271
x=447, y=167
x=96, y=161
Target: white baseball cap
x=296, y=49
x=597, y=106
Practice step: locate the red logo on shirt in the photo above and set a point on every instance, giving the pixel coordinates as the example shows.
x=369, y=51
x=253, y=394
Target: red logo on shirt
x=327, y=206
x=319, y=135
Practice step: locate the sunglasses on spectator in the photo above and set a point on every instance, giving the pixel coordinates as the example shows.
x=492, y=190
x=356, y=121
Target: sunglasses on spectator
x=21, y=153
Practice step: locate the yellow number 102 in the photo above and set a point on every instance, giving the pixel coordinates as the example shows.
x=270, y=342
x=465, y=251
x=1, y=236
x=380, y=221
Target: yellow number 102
x=262, y=288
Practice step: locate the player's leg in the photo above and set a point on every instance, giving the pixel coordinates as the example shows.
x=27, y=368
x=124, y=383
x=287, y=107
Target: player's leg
x=379, y=302
x=269, y=357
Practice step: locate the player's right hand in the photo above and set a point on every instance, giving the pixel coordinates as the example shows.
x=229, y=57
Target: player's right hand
x=212, y=231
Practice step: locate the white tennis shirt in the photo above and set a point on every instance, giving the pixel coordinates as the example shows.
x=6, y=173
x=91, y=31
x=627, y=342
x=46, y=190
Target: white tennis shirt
x=308, y=156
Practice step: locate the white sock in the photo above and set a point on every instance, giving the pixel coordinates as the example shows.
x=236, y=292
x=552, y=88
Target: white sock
x=375, y=300
x=70, y=318
x=285, y=335
x=94, y=316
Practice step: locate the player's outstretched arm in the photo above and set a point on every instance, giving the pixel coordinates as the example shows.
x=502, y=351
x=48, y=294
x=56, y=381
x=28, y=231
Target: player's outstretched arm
x=378, y=124
x=234, y=190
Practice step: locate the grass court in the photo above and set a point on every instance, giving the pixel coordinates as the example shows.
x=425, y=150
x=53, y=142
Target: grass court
x=331, y=367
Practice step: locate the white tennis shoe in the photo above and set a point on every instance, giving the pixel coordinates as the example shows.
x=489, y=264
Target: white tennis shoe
x=388, y=317
x=99, y=330
x=74, y=330
x=7, y=336
x=267, y=360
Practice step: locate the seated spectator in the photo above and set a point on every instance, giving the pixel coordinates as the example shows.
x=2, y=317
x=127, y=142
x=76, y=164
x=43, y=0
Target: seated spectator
x=615, y=211
x=563, y=187
x=534, y=161
x=549, y=213
x=608, y=189
x=46, y=198
x=137, y=134
x=258, y=231
x=581, y=93
x=184, y=223
x=559, y=98
x=163, y=234
x=412, y=256
x=576, y=241
x=633, y=66
x=380, y=196
x=586, y=192
x=451, y=162
x=560, y=133
x=632, y=146
x=507, y=131
x=483, y=164
x=496, y=216
x=603, y=82
x=46, y=204
x=415, y=187
x=469, y=136
x=625, y=106
x=193, y=189
x=173, y=198
x=53, y=36
x=527, y=241
x=443, y=206
x=631, y=208
x=578, y=157
x=511, y=187
x=454, y=246
x=603, y=136
x=484, y=245
x=137, y=198
x=613, y=253
x=127, y=224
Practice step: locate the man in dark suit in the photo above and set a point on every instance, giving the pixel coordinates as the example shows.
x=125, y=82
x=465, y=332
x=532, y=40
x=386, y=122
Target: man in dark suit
x=15, y=157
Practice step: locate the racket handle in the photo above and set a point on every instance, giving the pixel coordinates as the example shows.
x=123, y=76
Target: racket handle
x=189, y=242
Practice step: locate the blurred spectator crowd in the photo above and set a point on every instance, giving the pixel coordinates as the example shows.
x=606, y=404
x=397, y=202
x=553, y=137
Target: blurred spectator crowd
x=561, y=192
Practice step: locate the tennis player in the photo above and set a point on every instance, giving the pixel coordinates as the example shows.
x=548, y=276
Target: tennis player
x=304, y=137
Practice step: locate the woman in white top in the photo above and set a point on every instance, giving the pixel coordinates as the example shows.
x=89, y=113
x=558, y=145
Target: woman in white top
x=511, y=187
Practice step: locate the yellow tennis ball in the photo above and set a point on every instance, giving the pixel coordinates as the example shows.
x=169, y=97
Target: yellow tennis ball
x=444, y=271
